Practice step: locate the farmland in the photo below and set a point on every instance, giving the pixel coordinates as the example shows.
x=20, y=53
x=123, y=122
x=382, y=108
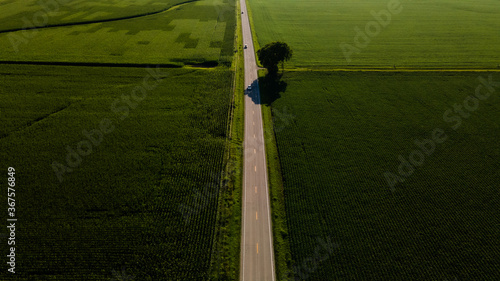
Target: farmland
x=383, y=165
x=134, y=200
x=30, y=13
x=425, y=33
x=344, y=130
x=121, y=153
x=200, y=32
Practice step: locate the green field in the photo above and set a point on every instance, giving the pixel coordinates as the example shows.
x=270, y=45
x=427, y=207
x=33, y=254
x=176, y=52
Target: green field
x=193, y=33
x=122, y=168
x=343, y=130
x=425, y=33
x=127, y=170
x=32, y=13
x=144, y=196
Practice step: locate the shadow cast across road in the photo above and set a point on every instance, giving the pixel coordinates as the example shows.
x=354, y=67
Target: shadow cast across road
x=270, y=89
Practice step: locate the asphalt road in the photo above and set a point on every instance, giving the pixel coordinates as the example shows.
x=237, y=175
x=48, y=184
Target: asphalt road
x=257, y=252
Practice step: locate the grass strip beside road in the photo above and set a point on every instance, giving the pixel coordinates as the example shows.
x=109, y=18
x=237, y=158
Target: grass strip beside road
x=282, y=254
x=230, y=201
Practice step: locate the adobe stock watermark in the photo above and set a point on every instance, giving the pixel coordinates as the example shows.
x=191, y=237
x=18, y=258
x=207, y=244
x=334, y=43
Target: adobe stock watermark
x=281, y=120
x=122, y=275
x=219, y=181
x=221, y=7
x=208, y=194
x=121, y=108
x=362, y=38
x=323, y=251
x=454, y=116
x=39, y=19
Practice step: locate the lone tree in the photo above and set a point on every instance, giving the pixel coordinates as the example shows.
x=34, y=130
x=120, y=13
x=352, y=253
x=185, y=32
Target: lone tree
x=272, y=54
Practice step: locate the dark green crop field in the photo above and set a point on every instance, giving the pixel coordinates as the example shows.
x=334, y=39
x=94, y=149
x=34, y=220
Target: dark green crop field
x=390, y=176
x=121, y=169
x=118, y=170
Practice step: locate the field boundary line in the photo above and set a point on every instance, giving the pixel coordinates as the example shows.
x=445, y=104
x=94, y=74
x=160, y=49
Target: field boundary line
x=205, y=65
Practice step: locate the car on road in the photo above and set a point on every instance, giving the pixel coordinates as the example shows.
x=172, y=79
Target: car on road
x=245, y=46
x=249, y=87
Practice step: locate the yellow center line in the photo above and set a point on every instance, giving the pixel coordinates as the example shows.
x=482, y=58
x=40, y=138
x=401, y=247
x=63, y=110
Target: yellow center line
x=256, y=216
x=255, y=189
x=257, y=248
x=256, y=168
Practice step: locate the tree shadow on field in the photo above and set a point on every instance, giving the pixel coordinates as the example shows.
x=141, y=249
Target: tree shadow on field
x=271, y=87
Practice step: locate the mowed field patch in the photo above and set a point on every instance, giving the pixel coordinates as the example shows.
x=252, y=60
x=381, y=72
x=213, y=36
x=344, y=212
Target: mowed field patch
x=425, y=33
x=194, y=33
x=338, y=133
x=111, y=177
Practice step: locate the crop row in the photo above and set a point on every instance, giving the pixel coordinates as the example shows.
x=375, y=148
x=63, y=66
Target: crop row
x=119, y=208
x=346, y=132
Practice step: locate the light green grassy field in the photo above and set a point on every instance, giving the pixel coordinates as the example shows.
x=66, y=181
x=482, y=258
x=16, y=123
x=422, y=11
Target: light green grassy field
x=338, y=133
x=193, y=33
x=425, y=33
x=29, y=13
x=142, y=196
